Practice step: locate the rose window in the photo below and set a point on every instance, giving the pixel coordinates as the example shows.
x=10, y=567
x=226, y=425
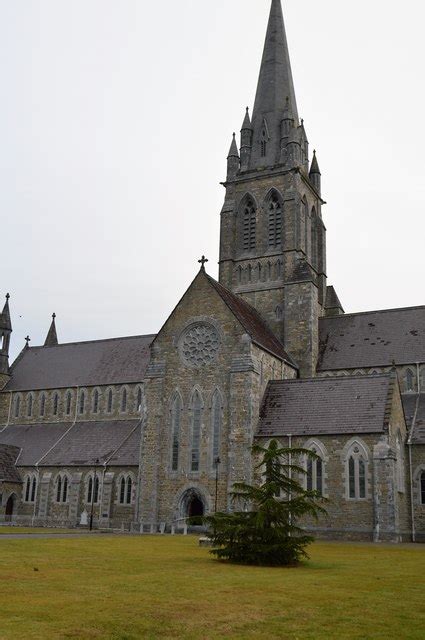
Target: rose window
x=199, y=344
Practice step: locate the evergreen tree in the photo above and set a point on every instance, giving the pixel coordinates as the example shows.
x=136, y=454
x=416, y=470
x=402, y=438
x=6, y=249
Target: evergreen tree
x=265, y=531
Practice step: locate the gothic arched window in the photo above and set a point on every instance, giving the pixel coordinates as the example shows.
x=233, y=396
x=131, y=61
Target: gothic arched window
x=175, y=431
x=42, y=404
x=93, y=490
x=124, y=400
x=110, y=401
x=30, y=402
x=410, y=380
x=30, y=488
x=315, y=468
x=249, y=225
x=125, y=496
x=82, y=403
x=139, y=399
x=96, y=401
x=62, y=485
x=356, y=469
x=68, y=403
x=55, y=404
x=422, y=487
x=216, y=417
x=275, y=221
x=196, y=430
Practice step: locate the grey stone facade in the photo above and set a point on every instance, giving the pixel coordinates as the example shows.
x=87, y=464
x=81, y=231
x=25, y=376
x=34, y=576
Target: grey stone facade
x=142, y=432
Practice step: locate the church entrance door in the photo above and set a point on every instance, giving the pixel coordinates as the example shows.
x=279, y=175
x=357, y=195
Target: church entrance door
x=195, y=507
x=10, y=507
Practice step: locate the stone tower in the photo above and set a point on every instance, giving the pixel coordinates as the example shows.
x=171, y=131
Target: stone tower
x=272, y=240
x=5, y=331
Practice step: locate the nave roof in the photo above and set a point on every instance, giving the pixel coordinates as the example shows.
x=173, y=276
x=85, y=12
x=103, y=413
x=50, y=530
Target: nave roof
x=372, y=339
x=98, y=362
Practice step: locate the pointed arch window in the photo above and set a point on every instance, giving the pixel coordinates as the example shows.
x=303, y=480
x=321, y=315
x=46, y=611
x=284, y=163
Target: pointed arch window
x=176, y=411
x=96, y=401
x=216, y=419
x=196, y=431
x=17, y=406
x=126, y=490
x=275, y=221
x=357, y=465
x=124, y=400
x=62, y=485
x=30, y=402
x=30, y=488
x=410, y=380
x=82, y=403
x=315, y=468
x=249, y=225
x=110, y=401
x=93, y=490
x=422, y=487
x=55, y=404
x=42, y=405
x=68, y=403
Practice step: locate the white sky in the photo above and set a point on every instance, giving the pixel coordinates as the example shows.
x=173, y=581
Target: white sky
x=115, y=121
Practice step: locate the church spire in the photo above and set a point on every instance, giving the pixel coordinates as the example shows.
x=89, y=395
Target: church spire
x=5, y=332
x=52, y=336
x=275, y=92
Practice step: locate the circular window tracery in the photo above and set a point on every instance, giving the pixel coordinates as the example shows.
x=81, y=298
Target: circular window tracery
x=199, y=344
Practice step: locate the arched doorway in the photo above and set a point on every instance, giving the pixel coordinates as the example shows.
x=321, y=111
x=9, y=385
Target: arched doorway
x=10, y=507
x=195, y=507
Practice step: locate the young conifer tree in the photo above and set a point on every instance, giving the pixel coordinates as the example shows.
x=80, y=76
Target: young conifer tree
x=265, y=531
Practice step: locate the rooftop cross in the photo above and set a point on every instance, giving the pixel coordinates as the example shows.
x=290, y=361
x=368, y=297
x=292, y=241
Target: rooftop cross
x=202, y=262
x=28, y=340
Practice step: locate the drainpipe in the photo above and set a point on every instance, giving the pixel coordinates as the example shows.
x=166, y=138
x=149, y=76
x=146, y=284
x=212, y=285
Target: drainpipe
x=143, y=420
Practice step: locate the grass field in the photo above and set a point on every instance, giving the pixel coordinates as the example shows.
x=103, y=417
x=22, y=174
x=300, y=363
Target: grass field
x=127, y=588
x=9, y=531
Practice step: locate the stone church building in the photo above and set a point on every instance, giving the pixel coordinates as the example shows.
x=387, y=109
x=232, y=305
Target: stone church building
x=142, y=432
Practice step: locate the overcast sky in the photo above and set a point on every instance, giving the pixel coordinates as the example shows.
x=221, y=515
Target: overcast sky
x=115, y=121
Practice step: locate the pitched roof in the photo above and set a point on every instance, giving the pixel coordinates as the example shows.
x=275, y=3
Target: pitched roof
x=8, y=471
x=372, y=339
x=100, y=362
x=64, y=444
x=414, y=411
x=253, y=323
x=319, y=406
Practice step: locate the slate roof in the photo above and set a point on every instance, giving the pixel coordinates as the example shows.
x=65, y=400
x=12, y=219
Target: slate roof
x=414, y=410
x=59, y=444
x=8, y=471
x=319, y=406
x=372, y=339
x=253, y=323
x=99, y=362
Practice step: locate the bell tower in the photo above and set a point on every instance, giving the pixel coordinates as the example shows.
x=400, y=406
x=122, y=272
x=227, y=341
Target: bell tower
x=272, y=239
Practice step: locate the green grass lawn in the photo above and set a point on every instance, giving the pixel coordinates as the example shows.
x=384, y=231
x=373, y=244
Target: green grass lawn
x=10, y=531
x=127, y=588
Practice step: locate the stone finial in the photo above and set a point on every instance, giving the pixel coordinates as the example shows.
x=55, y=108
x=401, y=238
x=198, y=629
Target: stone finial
x=202, y=262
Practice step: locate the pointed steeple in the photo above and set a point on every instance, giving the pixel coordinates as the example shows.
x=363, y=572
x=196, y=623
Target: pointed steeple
x=275, y=86
x=246, y=124
x=52, y=336
x=233, y=159
x=5, y=321
x=315, y=175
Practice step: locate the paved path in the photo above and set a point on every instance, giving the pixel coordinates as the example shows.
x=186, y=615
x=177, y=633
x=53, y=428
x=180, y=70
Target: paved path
x=25, y=536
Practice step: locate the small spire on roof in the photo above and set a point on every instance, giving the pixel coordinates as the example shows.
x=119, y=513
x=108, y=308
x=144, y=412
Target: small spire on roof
x=233, y=152
x=314, y=165
x=52, y=336
x=5, y=321
x=247, y=121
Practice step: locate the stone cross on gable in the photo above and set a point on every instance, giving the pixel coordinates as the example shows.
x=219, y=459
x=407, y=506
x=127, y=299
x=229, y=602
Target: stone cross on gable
x=28, y=340
x=202, y=262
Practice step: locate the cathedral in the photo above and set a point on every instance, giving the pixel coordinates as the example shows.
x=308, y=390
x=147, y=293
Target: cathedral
x=139, y=433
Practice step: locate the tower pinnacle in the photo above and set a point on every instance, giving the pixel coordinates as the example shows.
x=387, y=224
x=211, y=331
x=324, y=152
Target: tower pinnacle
x=52, y=336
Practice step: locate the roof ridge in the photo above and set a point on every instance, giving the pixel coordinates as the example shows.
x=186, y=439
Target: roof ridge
x=364, y=313
x=68, y=344
x=328, y=378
